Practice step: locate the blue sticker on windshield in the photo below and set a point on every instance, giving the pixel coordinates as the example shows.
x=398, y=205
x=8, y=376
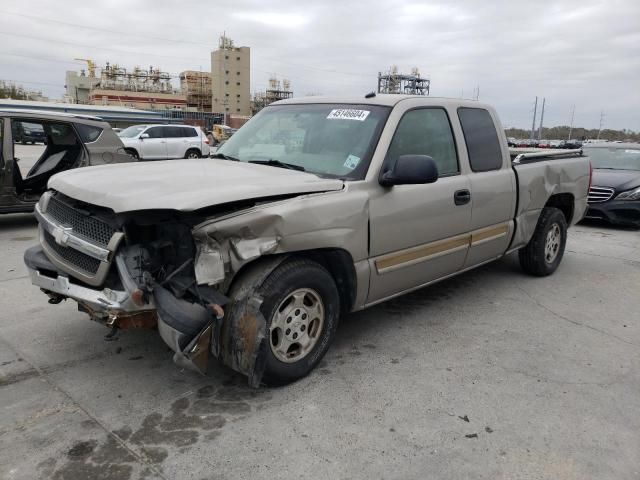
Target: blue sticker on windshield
x=351, y=162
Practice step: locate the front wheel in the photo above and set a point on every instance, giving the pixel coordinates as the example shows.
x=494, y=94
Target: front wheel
x=133, y=153
x=301, y=306
x=542, y=255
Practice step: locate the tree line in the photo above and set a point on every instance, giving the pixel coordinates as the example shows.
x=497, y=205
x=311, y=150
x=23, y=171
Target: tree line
x=562, y=133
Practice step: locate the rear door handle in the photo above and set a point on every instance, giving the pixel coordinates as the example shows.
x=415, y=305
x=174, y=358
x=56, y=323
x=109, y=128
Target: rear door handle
x=462, y=197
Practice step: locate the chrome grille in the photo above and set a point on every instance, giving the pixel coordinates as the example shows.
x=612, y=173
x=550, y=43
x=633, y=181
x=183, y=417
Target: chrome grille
x=85, y=226
x=600, y=194
x=73, y=257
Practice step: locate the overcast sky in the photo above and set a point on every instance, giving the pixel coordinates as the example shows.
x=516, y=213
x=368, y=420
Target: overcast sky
x=578, y=52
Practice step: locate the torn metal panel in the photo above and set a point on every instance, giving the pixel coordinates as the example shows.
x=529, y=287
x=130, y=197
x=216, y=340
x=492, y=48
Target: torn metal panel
x=242, y=343
x=537, y=182
x=330, y=220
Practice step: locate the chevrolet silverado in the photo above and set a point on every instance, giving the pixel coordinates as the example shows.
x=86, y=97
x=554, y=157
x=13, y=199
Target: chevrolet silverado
x=313, y=209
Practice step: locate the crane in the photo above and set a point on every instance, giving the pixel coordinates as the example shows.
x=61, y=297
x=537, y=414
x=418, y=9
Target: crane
x=91, y=66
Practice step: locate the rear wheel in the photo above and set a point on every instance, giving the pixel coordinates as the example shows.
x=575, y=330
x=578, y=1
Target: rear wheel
x=301, y=307
x=542, y=255
x=192, y=153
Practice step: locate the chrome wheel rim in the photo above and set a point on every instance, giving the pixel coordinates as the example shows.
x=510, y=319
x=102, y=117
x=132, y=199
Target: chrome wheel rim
x=297, y=325
x=552, y=243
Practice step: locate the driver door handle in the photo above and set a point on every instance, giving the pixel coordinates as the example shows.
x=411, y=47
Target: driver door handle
x=462, y=197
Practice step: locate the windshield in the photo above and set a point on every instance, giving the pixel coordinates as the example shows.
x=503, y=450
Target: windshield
x=132, y=131
x=326, y=139
x=616, y=158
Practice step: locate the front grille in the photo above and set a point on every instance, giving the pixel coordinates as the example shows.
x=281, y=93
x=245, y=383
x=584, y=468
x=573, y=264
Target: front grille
x=600, y=194
x=92, y=229
x=73, y=257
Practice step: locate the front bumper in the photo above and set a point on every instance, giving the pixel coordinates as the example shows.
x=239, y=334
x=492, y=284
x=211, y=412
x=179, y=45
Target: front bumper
x=620, y=212
x=106, y=305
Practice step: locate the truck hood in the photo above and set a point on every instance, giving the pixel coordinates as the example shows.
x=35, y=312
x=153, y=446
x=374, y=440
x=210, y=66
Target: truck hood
x=184, y=185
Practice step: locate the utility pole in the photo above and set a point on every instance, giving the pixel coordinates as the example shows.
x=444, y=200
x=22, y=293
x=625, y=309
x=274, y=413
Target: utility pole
x=226, y=79
x=541, y=119
x=601, y=123
x=573, y=112
x=533, y=124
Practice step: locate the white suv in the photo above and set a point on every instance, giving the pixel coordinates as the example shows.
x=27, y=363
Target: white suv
x=161, y=142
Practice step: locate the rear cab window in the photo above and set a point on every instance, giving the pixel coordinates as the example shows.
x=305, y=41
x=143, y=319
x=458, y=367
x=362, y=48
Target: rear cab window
x=481, y=138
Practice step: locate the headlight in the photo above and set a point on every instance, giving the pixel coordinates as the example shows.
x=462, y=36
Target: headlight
x=630, y=195
x=209, y=265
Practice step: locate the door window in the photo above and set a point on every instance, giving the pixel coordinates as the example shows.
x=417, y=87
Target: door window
x=426, y=131
x=88, y=133
x=155, y=132
x=481, y=138
x=189, y=132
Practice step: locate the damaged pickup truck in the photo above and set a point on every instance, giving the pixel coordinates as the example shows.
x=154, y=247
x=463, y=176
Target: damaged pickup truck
x=315, y=208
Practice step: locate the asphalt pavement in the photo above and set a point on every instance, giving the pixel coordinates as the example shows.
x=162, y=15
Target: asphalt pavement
x=492, y=374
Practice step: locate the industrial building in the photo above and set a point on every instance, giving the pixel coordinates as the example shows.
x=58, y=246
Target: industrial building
x=196, y=87
x=400, y=83
x=277, y=91
x=222, y=93
x=230, y=78
x=149, y=89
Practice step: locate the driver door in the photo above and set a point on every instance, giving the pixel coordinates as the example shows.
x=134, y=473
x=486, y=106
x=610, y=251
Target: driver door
x=419, y=233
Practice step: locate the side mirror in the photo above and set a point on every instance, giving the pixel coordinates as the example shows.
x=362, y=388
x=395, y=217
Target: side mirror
x=143, y=136
x=410, y=170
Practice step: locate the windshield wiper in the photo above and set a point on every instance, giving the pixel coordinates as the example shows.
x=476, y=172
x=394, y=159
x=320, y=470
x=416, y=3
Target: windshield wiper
x=225, y=157
x=278, y=163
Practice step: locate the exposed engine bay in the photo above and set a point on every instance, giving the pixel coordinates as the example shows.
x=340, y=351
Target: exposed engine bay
x=153, y=279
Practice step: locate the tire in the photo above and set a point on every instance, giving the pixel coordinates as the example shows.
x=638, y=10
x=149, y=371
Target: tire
x=192, y=153
x=542, y=255
x=315, y=290
x=133, y=153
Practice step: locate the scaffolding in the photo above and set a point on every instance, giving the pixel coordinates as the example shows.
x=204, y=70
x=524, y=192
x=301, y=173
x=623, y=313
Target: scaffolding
x=196, y=86
x=115, y=77
x=277, y=91
x=399, y=83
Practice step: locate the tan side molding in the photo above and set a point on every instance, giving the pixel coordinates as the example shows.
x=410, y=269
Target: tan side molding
x=429, y=251
x=421, y=253
x=489, y=233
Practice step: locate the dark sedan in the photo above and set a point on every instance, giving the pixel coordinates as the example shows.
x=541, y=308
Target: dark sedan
x=614, y=195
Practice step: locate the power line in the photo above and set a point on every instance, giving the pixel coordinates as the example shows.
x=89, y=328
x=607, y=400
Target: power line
x=168, y=40
x=31, y=57
x=75, y=44
x=106, y=30
x=32, y=83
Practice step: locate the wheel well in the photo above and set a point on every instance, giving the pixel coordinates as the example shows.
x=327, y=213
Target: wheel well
x=132, y=150
x=340, y=265
x=193, y=149
x=337, y=261
x=564, y=202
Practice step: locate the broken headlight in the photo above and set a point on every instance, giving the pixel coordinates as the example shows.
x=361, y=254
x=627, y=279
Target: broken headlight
x=209, y=265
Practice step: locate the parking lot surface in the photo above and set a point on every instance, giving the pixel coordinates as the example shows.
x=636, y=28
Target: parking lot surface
x=492, y=374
